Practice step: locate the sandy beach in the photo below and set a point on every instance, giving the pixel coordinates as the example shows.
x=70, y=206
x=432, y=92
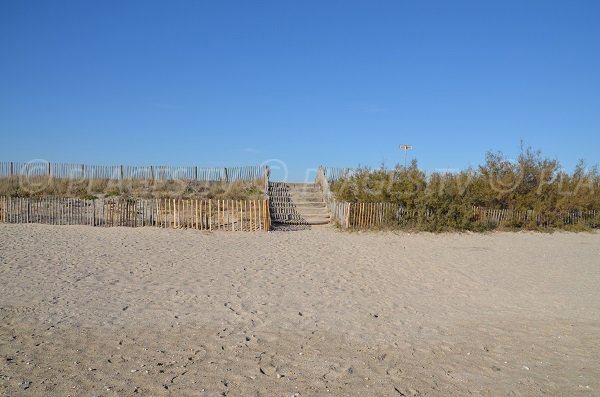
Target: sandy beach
x=120, y=311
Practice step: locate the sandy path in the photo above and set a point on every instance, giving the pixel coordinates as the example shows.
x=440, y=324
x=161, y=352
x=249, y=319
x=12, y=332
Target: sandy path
x=92, y=311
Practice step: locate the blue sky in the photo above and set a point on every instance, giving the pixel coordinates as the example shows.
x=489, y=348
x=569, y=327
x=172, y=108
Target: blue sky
x=340, y=83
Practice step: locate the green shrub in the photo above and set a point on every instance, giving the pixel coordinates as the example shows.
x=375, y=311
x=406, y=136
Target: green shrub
x=113, y=193
x=445, y=201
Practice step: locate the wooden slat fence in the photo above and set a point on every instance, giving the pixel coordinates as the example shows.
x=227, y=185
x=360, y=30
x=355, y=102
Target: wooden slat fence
x=376, y=215
x=339, y=212
x=226, y=215
x=505, y=217
x=333, y=174
x=120, y=172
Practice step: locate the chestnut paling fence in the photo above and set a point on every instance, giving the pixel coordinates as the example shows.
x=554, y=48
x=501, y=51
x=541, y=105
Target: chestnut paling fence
x=332, y=174
x=227, y=215
x=248, y=215
x=121, y=172
x=373, y=215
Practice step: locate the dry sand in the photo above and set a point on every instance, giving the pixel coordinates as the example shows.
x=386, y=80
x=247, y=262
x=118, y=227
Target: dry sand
x=91, y=311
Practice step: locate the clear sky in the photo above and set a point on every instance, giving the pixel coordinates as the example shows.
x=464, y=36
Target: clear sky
x=339, y=83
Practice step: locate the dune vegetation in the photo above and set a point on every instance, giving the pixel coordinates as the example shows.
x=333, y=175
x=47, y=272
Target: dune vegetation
x=445, y=200
x=43, y=186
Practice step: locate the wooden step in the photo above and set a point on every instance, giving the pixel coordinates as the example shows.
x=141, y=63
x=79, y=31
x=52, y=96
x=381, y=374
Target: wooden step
x=297, y=203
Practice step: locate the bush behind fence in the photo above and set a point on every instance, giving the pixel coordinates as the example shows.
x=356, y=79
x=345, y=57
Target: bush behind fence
x=361, y=215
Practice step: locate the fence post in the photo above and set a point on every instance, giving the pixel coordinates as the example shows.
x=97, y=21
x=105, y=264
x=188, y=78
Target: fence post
x=196, y=173
x=152, y=172
x=266, y=173
x=49, y=168
x=348, y=215
x=82, y=171
x=11, y=168
x=226, y=176
x=121, y=172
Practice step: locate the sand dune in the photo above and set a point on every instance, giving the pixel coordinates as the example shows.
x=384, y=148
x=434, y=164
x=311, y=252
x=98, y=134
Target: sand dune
x=120, y=311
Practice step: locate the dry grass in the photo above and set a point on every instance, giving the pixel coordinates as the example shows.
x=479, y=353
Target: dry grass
x=96, y=188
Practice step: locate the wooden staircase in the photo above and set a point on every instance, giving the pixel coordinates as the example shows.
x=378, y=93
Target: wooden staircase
x=297, y=204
